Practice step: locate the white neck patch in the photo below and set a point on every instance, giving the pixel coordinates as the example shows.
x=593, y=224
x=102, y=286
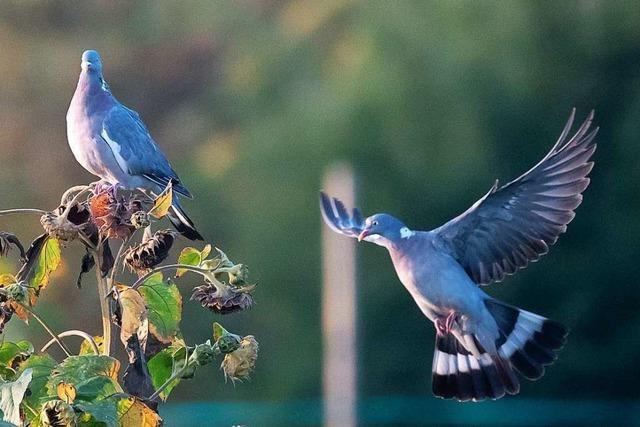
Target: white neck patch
x=104, y=85
x=372, y=238
x=405, y=233
x=376, y=239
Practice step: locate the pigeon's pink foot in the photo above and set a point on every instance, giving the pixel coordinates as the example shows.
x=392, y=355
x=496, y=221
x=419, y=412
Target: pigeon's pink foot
x=100, y=187
x=114, y=189
x=106, y=187
x=444, y=325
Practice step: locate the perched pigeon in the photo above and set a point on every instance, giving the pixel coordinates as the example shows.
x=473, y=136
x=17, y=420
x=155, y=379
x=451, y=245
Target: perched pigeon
x=481, y=341
x=111, y=141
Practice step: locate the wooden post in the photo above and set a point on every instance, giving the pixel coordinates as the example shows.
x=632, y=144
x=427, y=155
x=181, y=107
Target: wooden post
x=339, y=309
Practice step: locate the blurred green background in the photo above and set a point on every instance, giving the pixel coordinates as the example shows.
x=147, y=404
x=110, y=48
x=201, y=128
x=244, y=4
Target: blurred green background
x=429, y=101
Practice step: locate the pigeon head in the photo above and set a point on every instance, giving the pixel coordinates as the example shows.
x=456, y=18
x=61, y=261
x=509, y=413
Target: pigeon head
x=91, y=62
x=383, y=229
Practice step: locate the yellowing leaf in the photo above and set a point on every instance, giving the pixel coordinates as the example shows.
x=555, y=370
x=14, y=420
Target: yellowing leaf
x=87, y=348
x=66, y=392
x=7, y=279
x=162, y=204
x=132, y=412
x=192, y=256
x=218, y=331
x=133, y=315
x=48, y=261
x=43, y=258
x=188, y=256
x=205, y=251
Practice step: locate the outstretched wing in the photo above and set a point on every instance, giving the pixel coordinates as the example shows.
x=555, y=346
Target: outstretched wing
x=516, y=223
x=337, y=217
x=134, y=149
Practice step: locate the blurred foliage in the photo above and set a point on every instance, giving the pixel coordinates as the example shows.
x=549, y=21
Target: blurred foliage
x=430, y=101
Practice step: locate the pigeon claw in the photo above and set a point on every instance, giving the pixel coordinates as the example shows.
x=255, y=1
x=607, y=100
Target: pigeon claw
x=444, y=325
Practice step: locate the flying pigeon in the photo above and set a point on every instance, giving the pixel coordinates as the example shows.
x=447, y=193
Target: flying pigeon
x=480, y=341
x=111, y=141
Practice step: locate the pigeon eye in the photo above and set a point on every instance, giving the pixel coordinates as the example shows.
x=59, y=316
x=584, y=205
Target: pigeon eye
x=374, y=222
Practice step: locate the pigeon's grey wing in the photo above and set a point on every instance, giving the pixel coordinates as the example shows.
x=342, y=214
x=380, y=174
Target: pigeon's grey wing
x=516, y=223
x=134, y=149
x=338, y=218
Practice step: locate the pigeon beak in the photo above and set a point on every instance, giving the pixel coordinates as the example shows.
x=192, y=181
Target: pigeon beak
x=363, y=235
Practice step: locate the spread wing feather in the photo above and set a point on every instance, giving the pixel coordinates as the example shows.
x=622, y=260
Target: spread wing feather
x=515, y=224
x=337, y=217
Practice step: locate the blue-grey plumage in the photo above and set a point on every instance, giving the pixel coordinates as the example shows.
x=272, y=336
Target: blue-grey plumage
x=111, y=141
x=480, y=341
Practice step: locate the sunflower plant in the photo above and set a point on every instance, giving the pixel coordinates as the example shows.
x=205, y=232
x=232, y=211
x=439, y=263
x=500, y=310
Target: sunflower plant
x=89, y=387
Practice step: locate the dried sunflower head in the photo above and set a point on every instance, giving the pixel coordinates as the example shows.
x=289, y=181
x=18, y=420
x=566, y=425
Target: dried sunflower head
x=148, y=254
x=113, y=215
x=58, y=413
x=238, y=365
x=65, y=226
x=222, y=298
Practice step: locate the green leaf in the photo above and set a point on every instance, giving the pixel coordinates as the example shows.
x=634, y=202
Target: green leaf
x=162, y=203
x=192, y=256
x=92, y=375
x=132, y=412
x=97, y=387
x=41, y=365
x=11, y=395
x=9, y=351
x=162, y=365
x=164, y=307
x=26, y=346
x=7, y=373
x=99, y=413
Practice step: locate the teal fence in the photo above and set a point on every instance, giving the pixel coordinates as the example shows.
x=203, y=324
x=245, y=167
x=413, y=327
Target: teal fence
x=409, y=411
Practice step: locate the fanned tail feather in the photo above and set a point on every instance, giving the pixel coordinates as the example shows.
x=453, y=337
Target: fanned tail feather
x=528, y=341
x=458, y=374
x=527, y=344
x=182, y=222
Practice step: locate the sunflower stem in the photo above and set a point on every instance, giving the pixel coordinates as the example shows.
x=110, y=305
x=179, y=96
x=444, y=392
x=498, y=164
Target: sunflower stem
x=22, y=210
x=76, y=333
x=103, y=292
x=141, y=280
x=47, y=328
